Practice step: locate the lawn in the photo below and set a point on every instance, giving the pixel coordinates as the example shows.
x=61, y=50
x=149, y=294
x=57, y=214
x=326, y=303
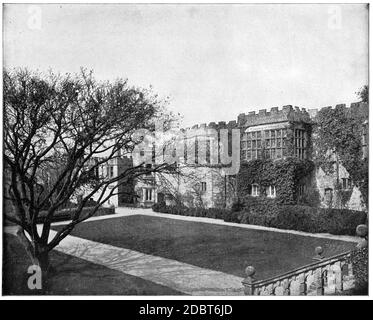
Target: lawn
x=222, y=248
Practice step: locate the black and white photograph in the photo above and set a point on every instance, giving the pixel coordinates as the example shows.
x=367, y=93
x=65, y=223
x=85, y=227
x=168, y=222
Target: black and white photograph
x=175, y=149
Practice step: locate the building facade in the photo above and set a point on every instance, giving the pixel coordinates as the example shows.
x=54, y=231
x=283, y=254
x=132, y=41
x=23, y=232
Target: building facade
x=269, y=134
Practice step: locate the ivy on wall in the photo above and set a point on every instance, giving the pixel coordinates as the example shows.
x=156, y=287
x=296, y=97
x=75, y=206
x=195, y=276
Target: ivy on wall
x=343, y=196
x=338, y=138
x=289, y=143
x=284, y=174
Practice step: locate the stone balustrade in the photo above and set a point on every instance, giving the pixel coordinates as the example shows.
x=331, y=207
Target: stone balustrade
x=324, y=276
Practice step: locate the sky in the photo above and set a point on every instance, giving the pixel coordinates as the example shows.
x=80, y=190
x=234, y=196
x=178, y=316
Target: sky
x=213, y=61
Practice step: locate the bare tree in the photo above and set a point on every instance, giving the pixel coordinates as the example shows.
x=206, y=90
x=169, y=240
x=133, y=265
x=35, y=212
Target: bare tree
x=185, y=188
x=59, y=131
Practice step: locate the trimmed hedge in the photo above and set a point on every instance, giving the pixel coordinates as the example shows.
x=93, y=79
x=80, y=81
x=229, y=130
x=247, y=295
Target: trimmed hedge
x=268, y=213
x=214, y=213
x=67, y=214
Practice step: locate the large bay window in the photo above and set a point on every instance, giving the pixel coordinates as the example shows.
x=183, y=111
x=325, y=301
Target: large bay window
x=269, y=144
x=252, y=144
x=275, y=143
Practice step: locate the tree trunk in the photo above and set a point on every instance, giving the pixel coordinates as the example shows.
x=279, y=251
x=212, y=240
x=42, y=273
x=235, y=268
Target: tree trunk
x=39, y=256
x=43, y=261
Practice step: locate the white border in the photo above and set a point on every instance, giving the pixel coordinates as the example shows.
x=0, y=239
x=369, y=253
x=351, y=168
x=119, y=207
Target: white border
x=188, y=297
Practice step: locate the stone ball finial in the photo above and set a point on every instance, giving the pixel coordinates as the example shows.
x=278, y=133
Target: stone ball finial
x=362, y=230
x=250, y=271
x=319, y=250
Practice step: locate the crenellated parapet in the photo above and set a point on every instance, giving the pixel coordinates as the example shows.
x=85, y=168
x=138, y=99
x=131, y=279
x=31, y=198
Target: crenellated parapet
x=214, y=125
x=287, y=113
x=355, y=109
x=273, y=115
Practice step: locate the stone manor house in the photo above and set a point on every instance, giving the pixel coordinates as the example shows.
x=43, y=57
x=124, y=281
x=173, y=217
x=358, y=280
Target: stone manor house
x=262, y=135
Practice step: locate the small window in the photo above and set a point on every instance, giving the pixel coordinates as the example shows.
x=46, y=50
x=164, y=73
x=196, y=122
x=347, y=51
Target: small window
x=148, y=194
x=301, y=190
x=346, y=183
x=271, y=191
x=96, y=172
x=328, y=193
x=255, y=190
x=148, y=167
x=203, y=186
x=111, y=171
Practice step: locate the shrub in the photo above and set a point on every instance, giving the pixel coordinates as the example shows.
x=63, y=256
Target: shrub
x=214, y=213
x=233, y=217
x=159, y=207
x=67, y=214
x=217, y=213
x=90, y=203
x=294, y=218
x=269, y=213
x=359, y=258
x=339, y=221
x=237, y=206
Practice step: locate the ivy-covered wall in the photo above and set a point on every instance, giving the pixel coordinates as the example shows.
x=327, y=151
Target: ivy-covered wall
x=284, y=174
x=328, y=132
x=342, y=130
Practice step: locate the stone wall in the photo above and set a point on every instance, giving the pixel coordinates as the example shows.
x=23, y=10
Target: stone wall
x=323, y=182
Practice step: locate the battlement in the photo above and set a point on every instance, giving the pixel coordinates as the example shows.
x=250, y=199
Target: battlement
x=353, y=109
x=273, y=115
x=214, y=125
